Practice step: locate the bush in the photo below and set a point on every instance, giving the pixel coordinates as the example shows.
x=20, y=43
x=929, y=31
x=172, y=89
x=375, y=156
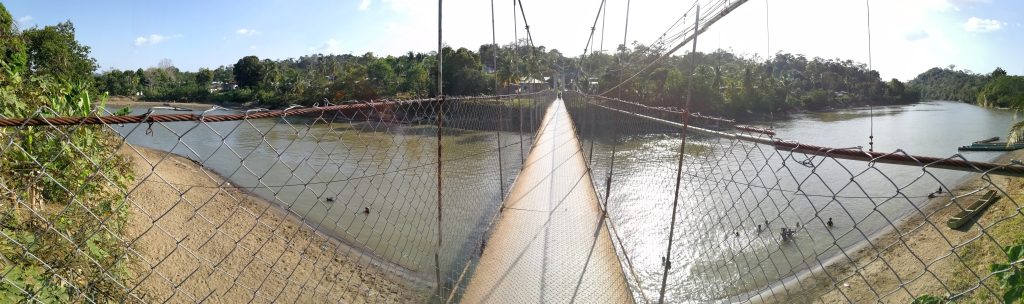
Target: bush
x=65, y=210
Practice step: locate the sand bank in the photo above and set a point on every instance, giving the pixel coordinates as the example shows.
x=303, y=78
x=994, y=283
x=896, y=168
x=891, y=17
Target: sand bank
x=193, y=240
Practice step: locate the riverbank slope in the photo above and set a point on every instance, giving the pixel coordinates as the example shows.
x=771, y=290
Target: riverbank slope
x=195, y=240
x=123, y=101
x=922, y=255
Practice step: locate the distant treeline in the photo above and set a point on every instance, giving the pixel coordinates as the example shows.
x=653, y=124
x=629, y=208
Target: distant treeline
x=725, y=83
x=737, y=86
x=310, y=79
x=996, y=89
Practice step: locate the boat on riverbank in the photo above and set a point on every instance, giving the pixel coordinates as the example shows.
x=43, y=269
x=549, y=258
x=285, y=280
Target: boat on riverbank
x=987, y=140
x=991, y=146
x=971, y=212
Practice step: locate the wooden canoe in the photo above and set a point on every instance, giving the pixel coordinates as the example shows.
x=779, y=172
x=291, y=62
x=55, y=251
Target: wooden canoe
x=991, y=147
x=972, y=211
x=987, y=140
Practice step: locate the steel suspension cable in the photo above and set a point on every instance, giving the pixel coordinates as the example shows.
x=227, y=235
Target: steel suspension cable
x=515, y=77
x=722, y=13
x=604, y=17
x=679, y=165
x=871, y=110
x=440, y=125
x=494, y=44
x=615, y=127
x=768, y=56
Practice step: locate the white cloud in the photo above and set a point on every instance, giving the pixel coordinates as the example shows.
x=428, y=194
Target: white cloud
x=332, y=46
x=979, y=25
x=153, y=39
x=24, y=20
x=915, y=35
x=247, y=32
x=364, y=5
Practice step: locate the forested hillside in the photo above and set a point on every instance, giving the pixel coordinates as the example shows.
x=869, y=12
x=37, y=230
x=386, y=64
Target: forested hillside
x=739, y=86
x=996, y=89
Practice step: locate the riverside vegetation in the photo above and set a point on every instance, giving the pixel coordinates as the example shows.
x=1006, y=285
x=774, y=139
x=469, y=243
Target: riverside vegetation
x=63, y=215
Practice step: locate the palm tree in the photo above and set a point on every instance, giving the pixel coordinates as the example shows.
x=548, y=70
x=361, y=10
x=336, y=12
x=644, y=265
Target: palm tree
x=1016, y=133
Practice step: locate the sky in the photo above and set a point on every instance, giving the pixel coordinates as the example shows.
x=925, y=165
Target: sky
x=907, y=36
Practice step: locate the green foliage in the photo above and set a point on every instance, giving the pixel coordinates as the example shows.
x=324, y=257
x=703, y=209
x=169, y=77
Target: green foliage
x=1004, y=91
x=67, y=181
x=204, y=77
x=63, y=229
x=998, y=72
x=249, y=72
x=730, y=85
x=121, y=83
x=12, y=51
x=1010, y=274
x=53, y=50
x=929, y=299
x=310, y=79
x=951, y=84
x=463, y=73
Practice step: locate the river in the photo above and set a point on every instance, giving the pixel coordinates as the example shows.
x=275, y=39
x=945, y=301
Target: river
x=731, y=187
x=329, y=171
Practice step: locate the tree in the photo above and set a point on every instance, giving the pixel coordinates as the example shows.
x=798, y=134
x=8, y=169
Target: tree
x=224, y=74
x=58, y=80
x=896, y=89
x=141, y=76
x=12, y=47
x=382, y=77
x=204, y=76
x=999, y=72
x=53, y=50
x=249, y=72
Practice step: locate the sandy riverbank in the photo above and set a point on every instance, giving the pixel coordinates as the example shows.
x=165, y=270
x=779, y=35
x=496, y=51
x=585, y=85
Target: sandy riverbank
x=920, y=251
x=194, y=241
x=121, y=101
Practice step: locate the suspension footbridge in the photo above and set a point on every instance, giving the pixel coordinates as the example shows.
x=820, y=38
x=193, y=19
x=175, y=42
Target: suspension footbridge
x=554, y=193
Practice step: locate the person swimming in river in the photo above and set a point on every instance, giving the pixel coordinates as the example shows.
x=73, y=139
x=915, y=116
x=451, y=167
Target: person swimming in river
x=787, y=234
x=829, y=222
x=366, y=210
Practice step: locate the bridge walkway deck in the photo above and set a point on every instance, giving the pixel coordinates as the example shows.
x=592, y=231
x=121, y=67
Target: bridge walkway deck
x=550, y=244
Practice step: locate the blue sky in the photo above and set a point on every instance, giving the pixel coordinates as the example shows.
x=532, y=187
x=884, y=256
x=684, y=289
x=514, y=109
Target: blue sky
x=908, y=36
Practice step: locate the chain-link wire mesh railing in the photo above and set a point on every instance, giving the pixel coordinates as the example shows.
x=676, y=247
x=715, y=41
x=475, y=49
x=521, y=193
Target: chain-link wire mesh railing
x=341, y=203
x=311, y=204
x=762, y=219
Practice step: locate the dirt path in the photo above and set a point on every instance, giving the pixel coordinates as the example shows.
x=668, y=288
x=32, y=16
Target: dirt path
x=194, y=241
x=920, y=251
